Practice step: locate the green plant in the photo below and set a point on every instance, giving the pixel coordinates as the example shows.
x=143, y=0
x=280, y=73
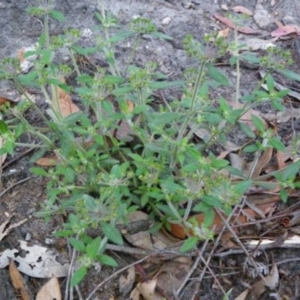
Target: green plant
x=103, y=174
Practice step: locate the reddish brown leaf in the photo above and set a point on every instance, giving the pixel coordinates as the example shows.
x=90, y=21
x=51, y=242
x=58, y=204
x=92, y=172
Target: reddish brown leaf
x=229, y=23
x=243, y=10
x=47, y=161
x=18, y=281
x=280, y=160
x=240, y=217
x=262, y=162
x=65, y=103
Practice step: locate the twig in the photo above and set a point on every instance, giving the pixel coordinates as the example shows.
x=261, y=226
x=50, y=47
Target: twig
x=189, y=274
x=70, y=272
x=115, y=274
x=15, y=184
x=240, y=243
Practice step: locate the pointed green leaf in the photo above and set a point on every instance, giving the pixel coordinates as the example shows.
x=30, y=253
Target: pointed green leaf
x=217, y=75
x=78, y=245
x=189, y=244
x=78, y=276
x=112, y=233
x=107, y=260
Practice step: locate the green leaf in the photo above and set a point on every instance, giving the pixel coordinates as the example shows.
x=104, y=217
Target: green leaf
x=277, y=144
x=164, y=84
x=63, y=233
x=258, y=123
x=38, y=171
x=290, y=74
x=78, y=245
x=85, y=78
x=219, y=163
x=162, y=35
x=112, y=233
x=155, y=228
x=29, y=79
x=291, y=171
x=121, y=36
x=57, y=15
x=270, y=82
x=3, y=127
x=189, y=244
x=283, y=195
x=92, y=249
x=78, y=276
x=247, y=130
x=243, y=186
x=252, y=58
x=84, y=51
x=217, y=75
x=208, y=218
x=107, y=260
x=250, y=148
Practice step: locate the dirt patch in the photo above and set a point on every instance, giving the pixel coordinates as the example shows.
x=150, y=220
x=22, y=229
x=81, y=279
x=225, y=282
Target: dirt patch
x=23, y=194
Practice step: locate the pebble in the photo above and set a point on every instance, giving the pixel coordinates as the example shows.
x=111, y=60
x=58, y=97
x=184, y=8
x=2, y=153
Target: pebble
x=166, y=21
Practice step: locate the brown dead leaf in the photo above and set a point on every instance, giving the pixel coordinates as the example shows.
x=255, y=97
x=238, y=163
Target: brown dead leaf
x=243, y=295
x=246, y=118
x=124, y=132
x=65, y=103
x=147, y=290
x=141, y=240
x=280, y=160
x=4, y=100
x=5, y=228
x=229, y=23
x=240, y=216
x=126, y=283
x=50, y=290
x=130, y=105
x=223, y=33
x=172, y=274
x=271, y=281
x=18, y=281
x=47, y=161
x=26, y=62
x=262, y=162
x=243, y=10
x=285, y=30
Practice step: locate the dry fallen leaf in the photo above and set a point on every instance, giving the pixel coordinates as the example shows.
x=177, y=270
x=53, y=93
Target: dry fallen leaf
x=65, y=103
x=271, y=281
x=126, y=283
x=242, y=296
x=26, y=63
x=147, y=290
x=262, y=162
x=172, y=273
x=240, y=217
x=47, y=161
x=50, y=290
x=285, y=30
x=243, y=10
x=229, y=23
x=38, y=261
x=5, y=228
x=18, y=281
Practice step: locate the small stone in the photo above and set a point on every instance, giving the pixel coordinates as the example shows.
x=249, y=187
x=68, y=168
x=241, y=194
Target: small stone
x=224, y=7
x=166, y=21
